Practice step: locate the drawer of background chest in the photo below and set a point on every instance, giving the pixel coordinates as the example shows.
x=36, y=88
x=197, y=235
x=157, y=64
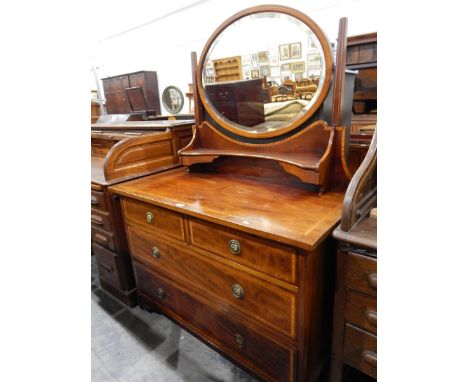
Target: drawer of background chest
x=111, y=268
x=154, y=219
x=97, y=200
x=102, y=237
x=251, y=297
x=275, y=259
x=100, y=219
x=361, y=310
x=361, y=273
x=272, y=361
x=360, y=350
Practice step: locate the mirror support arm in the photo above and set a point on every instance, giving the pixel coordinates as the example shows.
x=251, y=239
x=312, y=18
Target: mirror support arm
x=196, y=94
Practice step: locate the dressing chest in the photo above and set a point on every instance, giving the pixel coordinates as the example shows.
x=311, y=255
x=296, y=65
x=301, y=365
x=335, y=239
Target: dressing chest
x=235, y=245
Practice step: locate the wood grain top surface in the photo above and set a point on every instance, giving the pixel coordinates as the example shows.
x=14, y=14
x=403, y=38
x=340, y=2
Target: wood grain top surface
x=142, y=125
x=291, y=214
x=363, y=234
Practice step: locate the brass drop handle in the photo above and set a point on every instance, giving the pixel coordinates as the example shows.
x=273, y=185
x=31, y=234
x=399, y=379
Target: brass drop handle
x=160, y=293
x=369, y=357
x=107, y=268
x=240, y=342
x=237, y=291
x=149, y=217
x=234, y=247
x=100, y=238
x=372, y=279
x=155, y=252
x=94, y=200
x=371, y=317
x=97, y=220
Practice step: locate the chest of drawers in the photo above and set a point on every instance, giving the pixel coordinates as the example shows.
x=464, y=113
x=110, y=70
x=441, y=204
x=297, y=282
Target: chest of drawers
x=258, y=296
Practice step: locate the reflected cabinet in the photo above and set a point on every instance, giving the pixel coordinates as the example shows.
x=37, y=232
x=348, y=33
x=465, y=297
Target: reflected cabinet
x=235, y=246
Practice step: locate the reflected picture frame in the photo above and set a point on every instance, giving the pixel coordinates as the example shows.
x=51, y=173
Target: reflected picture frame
x=284, y=52
x=298, y=67
x=295, y=50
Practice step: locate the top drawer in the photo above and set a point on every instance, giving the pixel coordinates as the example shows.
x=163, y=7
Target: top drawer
x=155, y=219
x=361, y=273
x=275, y=259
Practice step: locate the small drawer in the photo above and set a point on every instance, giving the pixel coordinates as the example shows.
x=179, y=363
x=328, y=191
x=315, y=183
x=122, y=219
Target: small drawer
x=220, y=93
x=360, y=350
x=102, y=237
x=155, y=219
x=252, y=297
x=97, y=200
x=100, y=219
x=361, y=310
x=110, y=267
x=361, y=273
x=276, y=260
x=272, y=361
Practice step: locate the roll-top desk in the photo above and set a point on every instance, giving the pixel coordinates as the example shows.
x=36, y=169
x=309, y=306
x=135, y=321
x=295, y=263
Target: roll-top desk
x=122, y=151
x=235, y=245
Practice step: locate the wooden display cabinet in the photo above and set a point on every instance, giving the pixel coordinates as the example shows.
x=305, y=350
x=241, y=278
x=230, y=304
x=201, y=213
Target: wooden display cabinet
x=228, y=69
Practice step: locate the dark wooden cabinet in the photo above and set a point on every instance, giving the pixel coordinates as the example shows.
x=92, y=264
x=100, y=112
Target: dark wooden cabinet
x=116, y=97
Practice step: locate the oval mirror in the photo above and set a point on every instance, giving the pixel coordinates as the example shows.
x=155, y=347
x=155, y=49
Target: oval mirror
x=265, y=71
x=172, y=99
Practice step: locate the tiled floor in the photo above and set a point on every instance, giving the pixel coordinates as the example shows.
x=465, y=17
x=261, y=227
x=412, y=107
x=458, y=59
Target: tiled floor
x=132, y=345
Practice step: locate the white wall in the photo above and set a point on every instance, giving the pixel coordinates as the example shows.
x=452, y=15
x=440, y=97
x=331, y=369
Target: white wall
x=165, y=44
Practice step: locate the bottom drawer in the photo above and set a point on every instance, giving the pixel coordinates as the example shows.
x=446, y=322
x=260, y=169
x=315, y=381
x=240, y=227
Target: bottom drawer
x=111, y=267
x=360, y=350
x=269, y=360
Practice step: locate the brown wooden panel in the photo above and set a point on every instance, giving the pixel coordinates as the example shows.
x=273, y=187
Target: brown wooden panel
x=360, y=350
x=100, y=219
x=153, y=149
x=273, y=258
x=361, y=310
x=110, y=267
x=262, y=356
x=260, y=301
x=98, y=201
x=102, y=237
x=164, y=221
x=361, y=274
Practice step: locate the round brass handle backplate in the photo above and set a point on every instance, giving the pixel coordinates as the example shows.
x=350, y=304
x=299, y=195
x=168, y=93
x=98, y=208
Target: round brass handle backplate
x=239, y=341
x=155, y=252
x=237, y=291
x=160, y=293
x=234, y=247
x=149, y=217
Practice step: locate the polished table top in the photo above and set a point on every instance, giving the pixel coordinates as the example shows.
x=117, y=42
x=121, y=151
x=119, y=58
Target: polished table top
x=288, y=213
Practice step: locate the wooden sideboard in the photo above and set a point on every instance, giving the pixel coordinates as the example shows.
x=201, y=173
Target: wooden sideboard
x=116, y=96
x=122, y=151
x=355, y=306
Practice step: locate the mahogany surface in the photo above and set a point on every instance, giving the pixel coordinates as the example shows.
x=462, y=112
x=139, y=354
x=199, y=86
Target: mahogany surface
x=252, y=205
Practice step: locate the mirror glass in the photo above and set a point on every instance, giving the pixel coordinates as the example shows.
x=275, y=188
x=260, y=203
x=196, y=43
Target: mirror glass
x=264, y=71
x=172, y=99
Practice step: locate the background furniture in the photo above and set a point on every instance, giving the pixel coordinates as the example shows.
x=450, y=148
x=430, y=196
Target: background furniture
x=235, y=246
x=228, y=69
x=122, y=151
x=362, y=56
x=116, y=97
x=355, y=307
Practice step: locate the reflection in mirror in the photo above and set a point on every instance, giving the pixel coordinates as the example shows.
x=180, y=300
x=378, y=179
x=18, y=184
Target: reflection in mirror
x=172, y=99
x=264, y=71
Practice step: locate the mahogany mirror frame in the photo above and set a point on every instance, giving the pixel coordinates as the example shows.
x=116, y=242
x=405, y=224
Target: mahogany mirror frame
x=325, y=44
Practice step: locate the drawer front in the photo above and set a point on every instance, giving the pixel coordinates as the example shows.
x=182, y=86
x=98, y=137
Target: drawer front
x=272, y=361
x=97, y=200
x=109, y=266
x=155, y=219
x=221, y=93
x=278, y=261
x=360, y=350
x=361, y=273
x=104, y=238
x=361, y=310
x=100, y=219
x=252, y=297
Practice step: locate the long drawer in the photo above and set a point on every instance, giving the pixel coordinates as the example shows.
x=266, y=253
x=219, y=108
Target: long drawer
x=155, y=219
x=277, y=260
x=360, y=350
x=361, y=274
x=233, y=288
x=271, y=361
